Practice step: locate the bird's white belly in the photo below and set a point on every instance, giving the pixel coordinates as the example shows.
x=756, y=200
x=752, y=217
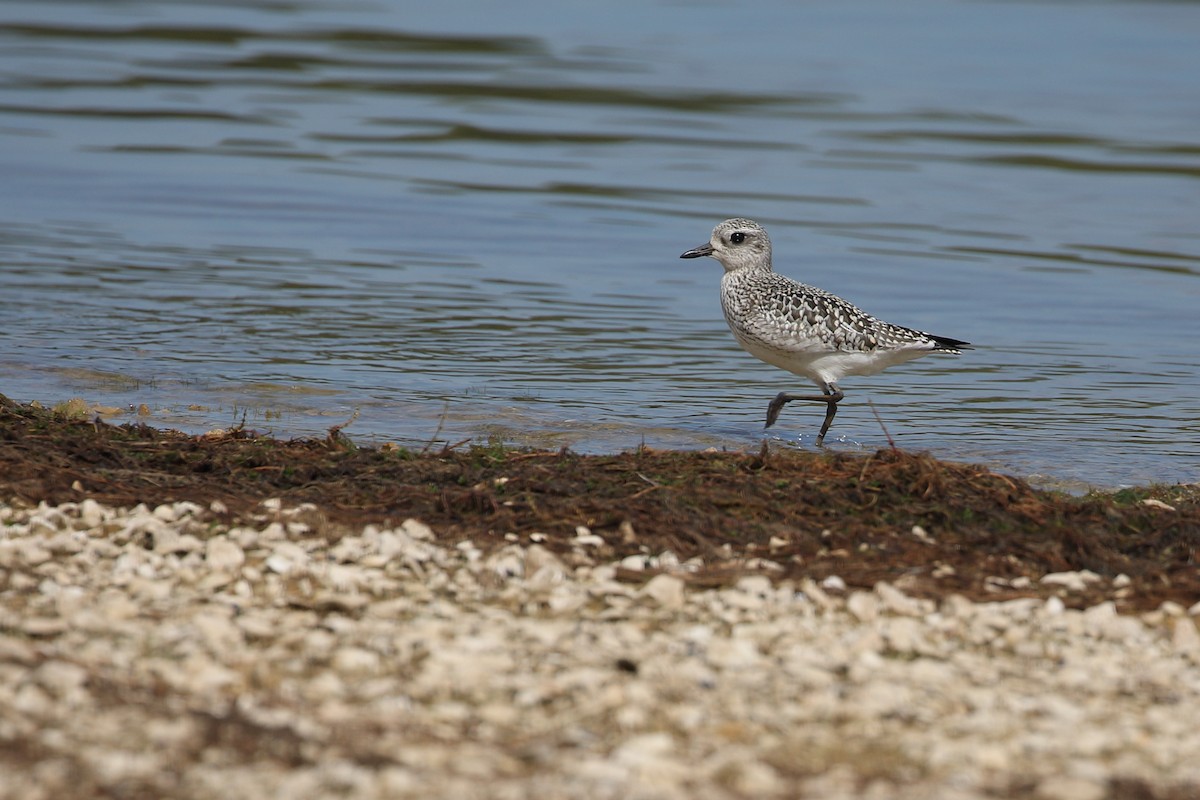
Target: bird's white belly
x=816, y=361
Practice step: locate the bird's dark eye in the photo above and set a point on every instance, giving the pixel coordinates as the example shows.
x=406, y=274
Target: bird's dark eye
x=737, y=237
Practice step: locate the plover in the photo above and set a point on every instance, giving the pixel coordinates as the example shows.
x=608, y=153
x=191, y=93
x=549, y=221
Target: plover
x=802, y=329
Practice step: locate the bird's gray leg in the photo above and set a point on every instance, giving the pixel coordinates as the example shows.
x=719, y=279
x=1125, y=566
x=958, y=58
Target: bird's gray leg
x=830, y=396
x=830, y=412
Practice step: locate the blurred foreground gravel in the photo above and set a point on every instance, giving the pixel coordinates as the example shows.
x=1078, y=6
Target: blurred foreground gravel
x=151, y=653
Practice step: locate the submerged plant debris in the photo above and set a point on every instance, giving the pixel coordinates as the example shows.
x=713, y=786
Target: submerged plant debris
x=927, y=526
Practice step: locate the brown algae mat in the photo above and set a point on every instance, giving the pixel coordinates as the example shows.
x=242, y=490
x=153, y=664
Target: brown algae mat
x=930, y=527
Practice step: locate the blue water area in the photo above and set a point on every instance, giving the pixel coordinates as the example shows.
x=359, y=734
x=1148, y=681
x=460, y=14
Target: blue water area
x=462, y=221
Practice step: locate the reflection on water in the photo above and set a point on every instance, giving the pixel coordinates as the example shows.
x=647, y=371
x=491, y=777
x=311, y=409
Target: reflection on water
x=467, y=226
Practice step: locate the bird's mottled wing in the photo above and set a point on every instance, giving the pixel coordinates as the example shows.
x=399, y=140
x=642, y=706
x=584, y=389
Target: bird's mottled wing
x=784, y=312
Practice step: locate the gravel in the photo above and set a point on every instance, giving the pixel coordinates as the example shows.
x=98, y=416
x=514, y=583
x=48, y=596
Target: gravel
x=161, y=652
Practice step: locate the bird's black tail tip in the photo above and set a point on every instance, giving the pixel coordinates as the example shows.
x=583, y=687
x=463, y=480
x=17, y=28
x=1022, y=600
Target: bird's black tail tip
x=946, y=343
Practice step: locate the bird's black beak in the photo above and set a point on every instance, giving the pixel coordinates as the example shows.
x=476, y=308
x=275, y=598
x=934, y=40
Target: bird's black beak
x=697, y=252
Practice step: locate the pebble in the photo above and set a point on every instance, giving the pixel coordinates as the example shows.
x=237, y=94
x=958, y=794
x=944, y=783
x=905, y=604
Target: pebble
x=863, y=605
x=415, y=529
x=638, y=563
x=391, y=663
x=895, y=601
x=1068, y=788
x=1072, y=581
x=543, y=567
x=1184, y=636
x=91, y=514
x=224, y=554
x=665, y=590
x=834, y=584
x=356, y=661
x=585, y=538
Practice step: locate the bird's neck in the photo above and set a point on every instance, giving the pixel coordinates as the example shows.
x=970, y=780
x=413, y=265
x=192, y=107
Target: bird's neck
x=756, y=269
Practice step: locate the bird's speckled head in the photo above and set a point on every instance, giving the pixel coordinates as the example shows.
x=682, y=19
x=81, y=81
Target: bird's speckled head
x=737, y=244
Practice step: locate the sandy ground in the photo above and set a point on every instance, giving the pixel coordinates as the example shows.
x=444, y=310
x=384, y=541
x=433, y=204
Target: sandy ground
x=173, y=651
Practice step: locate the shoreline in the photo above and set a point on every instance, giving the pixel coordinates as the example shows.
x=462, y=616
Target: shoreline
x=933, y=527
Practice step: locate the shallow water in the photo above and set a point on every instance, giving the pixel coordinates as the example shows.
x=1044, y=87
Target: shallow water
x=459, y=222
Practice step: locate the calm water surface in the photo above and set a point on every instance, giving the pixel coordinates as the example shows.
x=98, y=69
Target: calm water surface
x=464, y=220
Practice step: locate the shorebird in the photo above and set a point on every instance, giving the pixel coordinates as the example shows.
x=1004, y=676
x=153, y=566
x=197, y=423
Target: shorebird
x=802, y=329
